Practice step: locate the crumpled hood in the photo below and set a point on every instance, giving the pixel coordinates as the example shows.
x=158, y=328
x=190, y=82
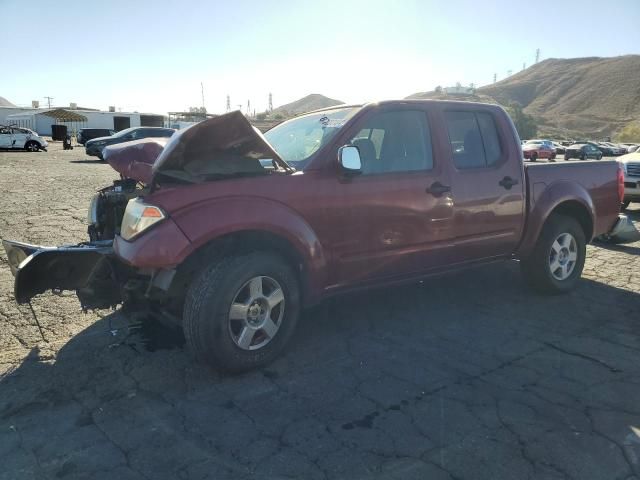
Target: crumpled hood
x=134, y=159
x=221, y=146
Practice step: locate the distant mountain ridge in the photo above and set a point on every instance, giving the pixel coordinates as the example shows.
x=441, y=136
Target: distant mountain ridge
x=573, y=97
x=311, y=102
x=5, y=103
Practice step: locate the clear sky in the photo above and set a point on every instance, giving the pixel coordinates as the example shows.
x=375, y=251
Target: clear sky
x=152, y=55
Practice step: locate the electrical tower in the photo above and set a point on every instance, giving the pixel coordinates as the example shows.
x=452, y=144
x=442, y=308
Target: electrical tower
x=537, y=55
x=202, y=91
x=49, y=101
x=228, y=103
x=270, y=103
x=495, y=77
x=248, y=108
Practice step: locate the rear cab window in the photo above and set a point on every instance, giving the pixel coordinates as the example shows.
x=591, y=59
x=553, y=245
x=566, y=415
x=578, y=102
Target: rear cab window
x=474, y=139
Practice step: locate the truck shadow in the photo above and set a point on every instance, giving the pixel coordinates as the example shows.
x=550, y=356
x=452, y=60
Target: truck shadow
x=361, y=387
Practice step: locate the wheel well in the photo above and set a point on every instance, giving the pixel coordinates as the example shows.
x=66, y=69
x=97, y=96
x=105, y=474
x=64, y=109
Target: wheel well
x=580, y=213
x=236, y=243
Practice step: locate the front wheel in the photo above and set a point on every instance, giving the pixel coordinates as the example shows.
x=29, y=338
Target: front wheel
x=240, y=313
x=32, y=146
x=599, y=157
x=534, y=157
x=557, y=260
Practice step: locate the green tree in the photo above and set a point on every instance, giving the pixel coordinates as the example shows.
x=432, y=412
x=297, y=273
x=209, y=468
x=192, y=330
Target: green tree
x=630, y=133
x=526, y=125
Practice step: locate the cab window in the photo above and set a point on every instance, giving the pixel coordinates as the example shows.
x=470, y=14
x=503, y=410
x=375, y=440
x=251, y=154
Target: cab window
x=397, y=141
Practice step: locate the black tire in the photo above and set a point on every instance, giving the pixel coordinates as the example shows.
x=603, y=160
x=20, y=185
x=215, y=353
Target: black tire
x=208, y=302
x=583, y=156
x=536, y=268
x=552, y=158
x=32, y=146
x=534, y=157
x=567, y=157
x=599, y=157
x=625, y=205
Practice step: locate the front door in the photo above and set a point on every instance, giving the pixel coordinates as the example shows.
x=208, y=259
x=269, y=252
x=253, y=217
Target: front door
x=20, y=137
x=384, y=222
x=487, y=184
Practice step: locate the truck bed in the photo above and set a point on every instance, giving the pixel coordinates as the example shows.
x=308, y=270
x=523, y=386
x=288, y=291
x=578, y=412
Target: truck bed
x=597, y=178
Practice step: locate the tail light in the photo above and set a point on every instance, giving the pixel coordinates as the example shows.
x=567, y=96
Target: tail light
x=620, y=184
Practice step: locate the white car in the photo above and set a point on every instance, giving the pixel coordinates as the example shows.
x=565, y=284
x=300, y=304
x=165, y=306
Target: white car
x=631, y=167
x=21, y=138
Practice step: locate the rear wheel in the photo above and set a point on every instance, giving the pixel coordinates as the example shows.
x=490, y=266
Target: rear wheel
x=534, y=157
x=583, y=156
x=240, y=313
x=32, y=146
x=552, y=158
x=599, y=157
x=557, y=260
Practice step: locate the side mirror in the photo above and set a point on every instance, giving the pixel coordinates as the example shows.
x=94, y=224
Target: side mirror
x=349, y=157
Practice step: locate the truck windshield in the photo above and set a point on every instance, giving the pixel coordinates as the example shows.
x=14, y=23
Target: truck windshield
x=299, y=138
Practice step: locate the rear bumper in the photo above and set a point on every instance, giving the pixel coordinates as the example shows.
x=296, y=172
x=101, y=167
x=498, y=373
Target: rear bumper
x=89, y=269
x=624, y=231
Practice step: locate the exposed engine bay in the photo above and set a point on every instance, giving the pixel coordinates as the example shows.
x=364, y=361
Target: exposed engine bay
x=107, y=208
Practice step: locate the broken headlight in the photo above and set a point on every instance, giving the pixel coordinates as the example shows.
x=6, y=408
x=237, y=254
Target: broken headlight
x=138, y=217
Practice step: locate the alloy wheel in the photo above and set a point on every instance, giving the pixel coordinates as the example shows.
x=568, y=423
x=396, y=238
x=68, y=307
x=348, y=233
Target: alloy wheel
x=563, y=256
x=256, y=313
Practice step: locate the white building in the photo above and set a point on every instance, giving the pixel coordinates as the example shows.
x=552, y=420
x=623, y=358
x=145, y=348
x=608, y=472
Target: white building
x=40, y=120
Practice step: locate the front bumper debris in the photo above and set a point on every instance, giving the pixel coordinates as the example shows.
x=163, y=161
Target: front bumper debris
x=624, y=231
x=89, y=269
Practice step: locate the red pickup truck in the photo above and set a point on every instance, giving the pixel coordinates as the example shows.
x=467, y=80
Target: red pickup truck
x=233, y=233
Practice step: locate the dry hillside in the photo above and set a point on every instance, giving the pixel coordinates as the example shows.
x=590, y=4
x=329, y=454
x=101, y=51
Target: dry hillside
x=306, y=104
x=575, y=97
x=5, y=103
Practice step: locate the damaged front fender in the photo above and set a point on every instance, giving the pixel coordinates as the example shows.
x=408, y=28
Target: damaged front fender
x=86, y=268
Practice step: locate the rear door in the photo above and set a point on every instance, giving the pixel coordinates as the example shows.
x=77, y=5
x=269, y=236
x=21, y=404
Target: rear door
x=487, y=183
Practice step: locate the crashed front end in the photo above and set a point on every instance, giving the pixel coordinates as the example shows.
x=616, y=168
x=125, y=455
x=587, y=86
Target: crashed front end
x=89, y=269
x=104, y=277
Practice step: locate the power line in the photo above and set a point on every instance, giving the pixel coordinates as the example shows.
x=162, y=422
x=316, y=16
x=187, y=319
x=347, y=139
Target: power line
x=49, y=101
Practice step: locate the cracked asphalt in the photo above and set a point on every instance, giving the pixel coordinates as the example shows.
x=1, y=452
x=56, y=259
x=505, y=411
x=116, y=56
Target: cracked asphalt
x=469, y=376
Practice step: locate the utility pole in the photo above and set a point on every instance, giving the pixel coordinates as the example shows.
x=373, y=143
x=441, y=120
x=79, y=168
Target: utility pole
x=270, y=103
x=248, y=108
x=228, y=103
x=537, y=55
x=202, y=91
x=524, y=66
x=49, y=101
x=495, y=77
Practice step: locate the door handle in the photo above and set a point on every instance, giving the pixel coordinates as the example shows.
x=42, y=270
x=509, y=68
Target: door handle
x=508, y=182
x=437, y=189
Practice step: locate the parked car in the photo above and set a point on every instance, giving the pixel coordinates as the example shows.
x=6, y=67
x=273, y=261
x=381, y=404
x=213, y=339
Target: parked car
x=535, y=149
x=86, y=134
x=22, y=139
x=582, y=151
x=559, y=148
x=94, y=147
x=234, y=233
x=630, y=164
x=633, y=148
x=615, y=149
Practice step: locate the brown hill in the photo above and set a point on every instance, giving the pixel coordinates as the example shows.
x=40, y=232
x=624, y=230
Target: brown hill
x=576, y=97
x=5, y=103
x=307, y=104
x=590, y=96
